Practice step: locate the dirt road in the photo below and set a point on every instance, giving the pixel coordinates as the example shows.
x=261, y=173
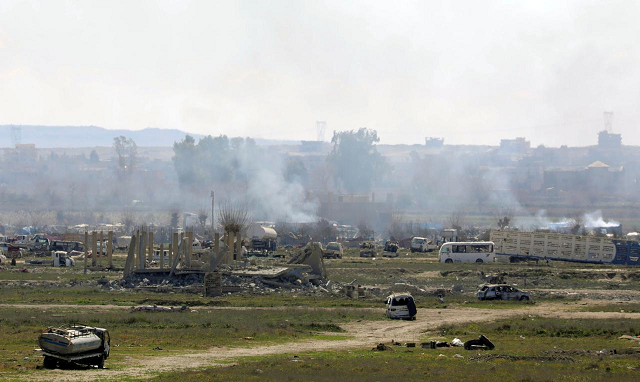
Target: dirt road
x=361, y=335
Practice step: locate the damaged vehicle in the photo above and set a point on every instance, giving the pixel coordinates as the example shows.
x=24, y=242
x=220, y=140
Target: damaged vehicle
x=401, y=306
x=502, y=292
x=81, y=344
x=333, y=251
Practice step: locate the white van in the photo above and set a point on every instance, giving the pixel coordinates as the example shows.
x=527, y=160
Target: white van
x=467, y=252
x=401, y=306
x=421, y=244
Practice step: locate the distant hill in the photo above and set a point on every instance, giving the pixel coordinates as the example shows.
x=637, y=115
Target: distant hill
x=87, y=136
x=91, y=136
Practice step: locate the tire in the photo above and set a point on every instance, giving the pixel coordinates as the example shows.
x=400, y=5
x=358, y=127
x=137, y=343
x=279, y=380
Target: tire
x=479, y=261
x=524, y=298
x=100, y=362
x=49, y=362
x=448, y=261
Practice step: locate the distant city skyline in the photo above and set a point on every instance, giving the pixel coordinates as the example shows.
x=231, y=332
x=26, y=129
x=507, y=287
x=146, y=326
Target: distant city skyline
x=469, y=72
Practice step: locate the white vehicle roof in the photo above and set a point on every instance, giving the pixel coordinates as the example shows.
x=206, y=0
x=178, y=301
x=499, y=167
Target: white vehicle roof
x=467, y=243
x=400, y=294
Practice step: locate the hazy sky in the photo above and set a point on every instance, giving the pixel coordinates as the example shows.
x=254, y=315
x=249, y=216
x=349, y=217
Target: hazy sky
x=471, y=72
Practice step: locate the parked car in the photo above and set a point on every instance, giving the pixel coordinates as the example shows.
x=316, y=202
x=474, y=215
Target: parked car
x=401, y=306
x=502, y=292
x=421, y=244
x=333, y=251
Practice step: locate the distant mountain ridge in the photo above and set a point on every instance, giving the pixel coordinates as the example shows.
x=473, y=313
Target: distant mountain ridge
x=91, y=136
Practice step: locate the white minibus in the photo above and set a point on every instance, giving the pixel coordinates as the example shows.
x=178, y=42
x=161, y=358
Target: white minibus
x=467, y=252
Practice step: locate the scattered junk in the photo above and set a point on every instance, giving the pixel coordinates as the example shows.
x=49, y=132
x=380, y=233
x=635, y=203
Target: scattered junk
x=390, y=249
x=391, y=246
x=491, y=278
x=76, y=343
x=401, y=306
x=62, y=259
x=333, y=251
x=421, y=244
x=457, y=342
x=368, y=249
x=502, y=292
x=156, y=308
x=66, y=245
x=3, y=259
x=481, y=343
x=382, y=347
x=630, y=338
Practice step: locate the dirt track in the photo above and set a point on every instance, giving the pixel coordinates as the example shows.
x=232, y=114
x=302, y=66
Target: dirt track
x=361, y=335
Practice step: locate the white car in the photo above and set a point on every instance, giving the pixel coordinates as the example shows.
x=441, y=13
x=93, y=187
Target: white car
x=502, y=292
x=401, y=306
x=421, y=244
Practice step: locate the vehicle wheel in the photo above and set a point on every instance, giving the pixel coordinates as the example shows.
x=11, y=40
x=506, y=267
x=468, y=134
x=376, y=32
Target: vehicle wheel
x=49, y=362
x=524, y=298
x=100, y=362
x=479, y=261
x=448, y=261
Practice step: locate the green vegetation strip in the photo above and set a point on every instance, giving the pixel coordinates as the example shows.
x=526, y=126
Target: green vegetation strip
x=527, y=349
x=134, y=334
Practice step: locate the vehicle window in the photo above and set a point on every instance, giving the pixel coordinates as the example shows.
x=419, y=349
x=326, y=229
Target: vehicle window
x=399, y=301
x=459, y=249
x=445, y=249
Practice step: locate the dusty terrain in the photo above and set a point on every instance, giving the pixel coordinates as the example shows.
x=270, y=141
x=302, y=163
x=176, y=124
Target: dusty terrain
x=360, y=335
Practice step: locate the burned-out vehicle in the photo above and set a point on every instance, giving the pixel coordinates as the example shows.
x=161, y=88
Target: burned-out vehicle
x=502, y=292
x=81, y=344
x=401, y=306
x=333, y=251
x=367, y=249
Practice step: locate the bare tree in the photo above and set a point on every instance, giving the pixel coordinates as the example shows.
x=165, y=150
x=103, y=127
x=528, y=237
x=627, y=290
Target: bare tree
x=128, y=219
x=578, y=224
x=397, y=228
x=456, y=220
x=233, y=218
x=127, y=151
x=366, y=231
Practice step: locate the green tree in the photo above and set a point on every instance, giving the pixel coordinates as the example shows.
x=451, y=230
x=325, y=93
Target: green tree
x=185, y=160
x=93, y=157
x=355, y=160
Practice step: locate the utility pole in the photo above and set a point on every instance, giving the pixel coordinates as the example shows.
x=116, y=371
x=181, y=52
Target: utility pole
x=212, y=216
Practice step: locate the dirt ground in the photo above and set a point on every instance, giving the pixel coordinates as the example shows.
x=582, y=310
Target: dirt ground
x=364, y=334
